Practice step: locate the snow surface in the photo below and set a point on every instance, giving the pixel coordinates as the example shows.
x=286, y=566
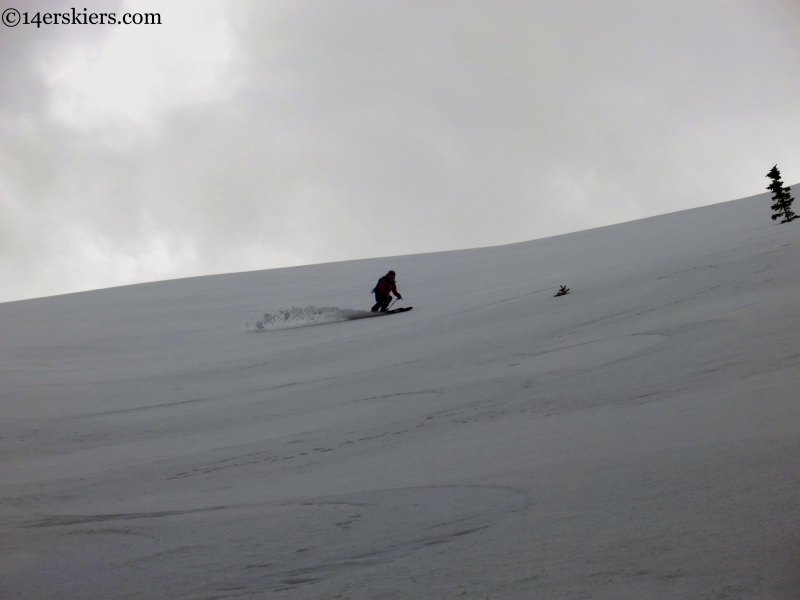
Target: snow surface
x=637, y=438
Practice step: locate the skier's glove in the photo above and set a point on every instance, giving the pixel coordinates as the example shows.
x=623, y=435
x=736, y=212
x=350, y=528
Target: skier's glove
x=399, y=296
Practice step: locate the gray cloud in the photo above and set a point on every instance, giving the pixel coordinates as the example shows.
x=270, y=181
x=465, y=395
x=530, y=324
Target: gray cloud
x=251, y=135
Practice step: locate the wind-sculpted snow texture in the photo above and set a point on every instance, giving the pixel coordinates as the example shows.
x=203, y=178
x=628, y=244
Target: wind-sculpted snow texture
x=303, y=317
x=636, y=438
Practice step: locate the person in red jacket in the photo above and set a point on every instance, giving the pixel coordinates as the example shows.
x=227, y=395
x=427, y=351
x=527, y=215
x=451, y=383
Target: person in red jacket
x=383, y=292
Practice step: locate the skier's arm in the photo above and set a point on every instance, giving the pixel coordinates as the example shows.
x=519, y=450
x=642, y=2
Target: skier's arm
x=394, y=289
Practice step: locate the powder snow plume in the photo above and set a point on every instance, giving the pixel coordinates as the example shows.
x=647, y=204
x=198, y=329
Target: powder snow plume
x=303, y=317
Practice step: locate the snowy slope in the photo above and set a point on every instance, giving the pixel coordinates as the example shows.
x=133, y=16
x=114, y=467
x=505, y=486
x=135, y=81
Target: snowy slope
x=637, y=438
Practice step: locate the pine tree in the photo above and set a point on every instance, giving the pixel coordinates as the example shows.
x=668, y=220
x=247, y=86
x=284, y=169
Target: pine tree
x=780, y=194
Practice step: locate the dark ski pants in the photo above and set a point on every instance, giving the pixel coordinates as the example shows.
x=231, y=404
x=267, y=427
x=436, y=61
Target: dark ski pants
x=381, y=302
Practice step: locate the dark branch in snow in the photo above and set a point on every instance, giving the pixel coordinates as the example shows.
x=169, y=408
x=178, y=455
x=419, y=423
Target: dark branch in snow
x=562, y=292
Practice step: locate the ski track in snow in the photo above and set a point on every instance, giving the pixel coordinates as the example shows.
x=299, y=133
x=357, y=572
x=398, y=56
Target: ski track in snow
x=306, y=316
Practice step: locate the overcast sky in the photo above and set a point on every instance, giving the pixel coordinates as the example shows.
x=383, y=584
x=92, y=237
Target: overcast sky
x=245, y=135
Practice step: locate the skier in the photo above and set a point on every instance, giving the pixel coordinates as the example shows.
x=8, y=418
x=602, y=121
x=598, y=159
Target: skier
x=383, y=297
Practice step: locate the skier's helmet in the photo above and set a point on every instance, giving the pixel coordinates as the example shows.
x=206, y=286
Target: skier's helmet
x=391, y=274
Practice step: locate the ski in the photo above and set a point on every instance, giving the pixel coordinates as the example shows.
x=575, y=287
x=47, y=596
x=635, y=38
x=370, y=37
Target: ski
x=394, y=311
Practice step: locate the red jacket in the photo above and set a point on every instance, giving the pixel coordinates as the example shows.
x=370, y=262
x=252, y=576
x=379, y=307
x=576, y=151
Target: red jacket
x=385, y=286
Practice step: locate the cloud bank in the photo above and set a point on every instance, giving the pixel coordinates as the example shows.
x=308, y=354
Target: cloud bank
x=247, y=135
